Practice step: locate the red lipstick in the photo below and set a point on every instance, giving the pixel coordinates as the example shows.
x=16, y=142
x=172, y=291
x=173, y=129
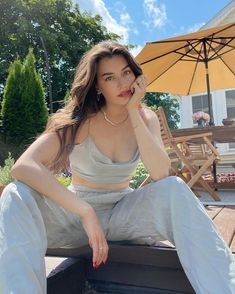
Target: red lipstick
x=125, y=93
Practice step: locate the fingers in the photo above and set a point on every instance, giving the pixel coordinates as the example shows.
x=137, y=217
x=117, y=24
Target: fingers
x=100, y=251
x=140, y=81
x=96, y=238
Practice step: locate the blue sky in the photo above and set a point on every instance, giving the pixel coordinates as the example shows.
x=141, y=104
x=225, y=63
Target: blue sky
x=141, y=21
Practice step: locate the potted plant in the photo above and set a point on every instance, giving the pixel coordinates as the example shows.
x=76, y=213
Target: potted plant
x=5, y=172
x=202, y=118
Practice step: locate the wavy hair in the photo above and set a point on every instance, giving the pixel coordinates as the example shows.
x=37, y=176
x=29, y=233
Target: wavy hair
x=83, y=101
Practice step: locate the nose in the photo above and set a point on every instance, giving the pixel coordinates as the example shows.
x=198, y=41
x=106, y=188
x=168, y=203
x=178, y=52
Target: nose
x=122, y=82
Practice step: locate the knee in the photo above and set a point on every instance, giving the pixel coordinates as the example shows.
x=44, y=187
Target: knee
x=173, y=188
x=19, y=191
x=171, y=181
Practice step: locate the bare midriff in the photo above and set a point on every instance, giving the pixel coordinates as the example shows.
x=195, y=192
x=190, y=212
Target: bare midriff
x=76, y=180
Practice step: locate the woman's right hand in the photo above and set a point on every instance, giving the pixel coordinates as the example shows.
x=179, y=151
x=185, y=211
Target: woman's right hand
x=96, y=237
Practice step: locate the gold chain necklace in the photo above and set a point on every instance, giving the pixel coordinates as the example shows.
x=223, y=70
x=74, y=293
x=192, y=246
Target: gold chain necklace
x=112, y=123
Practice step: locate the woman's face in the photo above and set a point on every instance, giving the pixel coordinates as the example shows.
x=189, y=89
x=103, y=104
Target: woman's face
x=114, y=79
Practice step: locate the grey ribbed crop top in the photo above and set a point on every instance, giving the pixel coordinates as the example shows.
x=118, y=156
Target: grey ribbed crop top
x=91, y=164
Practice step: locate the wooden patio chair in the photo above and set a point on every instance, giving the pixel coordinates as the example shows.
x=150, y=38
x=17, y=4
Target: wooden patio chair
x=189, y=160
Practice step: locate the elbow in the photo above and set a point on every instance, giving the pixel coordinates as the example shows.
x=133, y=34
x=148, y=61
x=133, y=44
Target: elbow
x=166, y=169
x=19, y=169
x=15, y=171
x=163, y=172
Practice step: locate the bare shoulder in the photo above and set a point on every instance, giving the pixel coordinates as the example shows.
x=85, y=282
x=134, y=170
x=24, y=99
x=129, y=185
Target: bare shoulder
x=46, y=139
x=43, y=149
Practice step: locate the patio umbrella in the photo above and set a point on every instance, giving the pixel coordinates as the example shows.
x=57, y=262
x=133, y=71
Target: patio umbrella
x=193, y=63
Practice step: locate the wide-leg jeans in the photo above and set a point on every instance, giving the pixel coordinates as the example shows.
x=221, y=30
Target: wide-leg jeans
x=165, y=209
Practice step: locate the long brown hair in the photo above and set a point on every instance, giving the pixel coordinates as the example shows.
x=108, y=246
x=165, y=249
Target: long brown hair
x=83, y=102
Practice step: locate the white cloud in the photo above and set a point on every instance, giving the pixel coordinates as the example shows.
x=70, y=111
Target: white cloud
x=195, y=27
x=98, y=7
x=135, y=51
x=186, y=30
x=128, y=23
x=125, y=18
x=156, y=16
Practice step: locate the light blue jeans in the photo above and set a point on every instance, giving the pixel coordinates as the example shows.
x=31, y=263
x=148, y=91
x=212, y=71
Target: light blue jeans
x=165, y=209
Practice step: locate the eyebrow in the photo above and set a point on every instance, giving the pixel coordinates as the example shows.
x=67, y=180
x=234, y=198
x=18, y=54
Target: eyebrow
x=111, y=73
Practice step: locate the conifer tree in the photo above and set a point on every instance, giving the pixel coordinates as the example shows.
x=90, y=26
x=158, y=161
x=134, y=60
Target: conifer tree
x=24, y=110
x=33, y=99
x=12, y=112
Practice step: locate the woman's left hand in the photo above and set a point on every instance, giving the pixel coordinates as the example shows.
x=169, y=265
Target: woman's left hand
x=138, y=89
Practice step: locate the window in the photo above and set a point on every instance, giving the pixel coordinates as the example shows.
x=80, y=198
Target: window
x=200, y=103
x=230, y=104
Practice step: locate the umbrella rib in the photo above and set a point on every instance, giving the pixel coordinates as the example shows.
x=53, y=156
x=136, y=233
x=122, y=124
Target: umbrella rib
x=230, y=39
x=186, y=53
x=220, y=57
x=230, y=48
x=198, y=52
x=221, y=30
x=164, y=72
x=195, y=68
x=164, y=54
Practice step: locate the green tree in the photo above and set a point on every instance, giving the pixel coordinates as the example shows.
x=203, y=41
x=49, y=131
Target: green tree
x=169, y=104
x=56, y=30
x=32, y=99
x=12, y=111
x=24, y=111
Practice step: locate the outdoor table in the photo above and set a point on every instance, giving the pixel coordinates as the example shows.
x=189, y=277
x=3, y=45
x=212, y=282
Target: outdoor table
x=220, y=134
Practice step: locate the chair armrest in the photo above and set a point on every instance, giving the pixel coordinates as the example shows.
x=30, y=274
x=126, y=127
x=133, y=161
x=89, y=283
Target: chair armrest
x=191, y=137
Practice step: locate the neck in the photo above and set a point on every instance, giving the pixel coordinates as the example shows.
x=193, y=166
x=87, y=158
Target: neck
x=115, y=112
x=117, y=118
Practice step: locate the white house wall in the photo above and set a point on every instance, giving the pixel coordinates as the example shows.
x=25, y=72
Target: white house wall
x=224, y=16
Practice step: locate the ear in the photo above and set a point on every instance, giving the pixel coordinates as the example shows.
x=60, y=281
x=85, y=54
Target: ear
x=97, y=89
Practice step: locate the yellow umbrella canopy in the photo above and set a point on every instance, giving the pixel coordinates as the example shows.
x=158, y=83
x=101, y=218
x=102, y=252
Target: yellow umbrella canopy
x=192, y=63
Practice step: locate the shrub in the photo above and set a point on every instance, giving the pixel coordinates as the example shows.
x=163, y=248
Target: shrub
x=139, y=176
x=5, y=171
x=65, y=177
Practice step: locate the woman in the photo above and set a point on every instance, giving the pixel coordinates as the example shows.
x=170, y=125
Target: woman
x=102, y=132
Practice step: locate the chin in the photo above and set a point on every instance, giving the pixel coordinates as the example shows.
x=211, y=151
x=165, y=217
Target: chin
x=125, y=98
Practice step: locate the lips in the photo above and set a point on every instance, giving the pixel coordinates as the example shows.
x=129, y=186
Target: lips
x=125, y=93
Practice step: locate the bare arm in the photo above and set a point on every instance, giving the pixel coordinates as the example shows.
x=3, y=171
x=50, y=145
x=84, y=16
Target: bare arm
x=31, y=168
x=148, y=134
x=150, y=143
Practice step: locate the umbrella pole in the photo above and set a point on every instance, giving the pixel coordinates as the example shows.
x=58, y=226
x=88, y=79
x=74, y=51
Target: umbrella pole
x=211, y=123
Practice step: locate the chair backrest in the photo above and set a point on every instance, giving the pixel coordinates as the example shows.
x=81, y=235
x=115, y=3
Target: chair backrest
x=165, y=130
x=166, y=136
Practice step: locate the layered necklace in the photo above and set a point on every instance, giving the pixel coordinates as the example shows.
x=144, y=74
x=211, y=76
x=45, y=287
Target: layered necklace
x=113, y=123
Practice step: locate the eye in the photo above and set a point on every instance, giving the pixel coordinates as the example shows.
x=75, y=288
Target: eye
x=109, y=78
x=127, y=72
